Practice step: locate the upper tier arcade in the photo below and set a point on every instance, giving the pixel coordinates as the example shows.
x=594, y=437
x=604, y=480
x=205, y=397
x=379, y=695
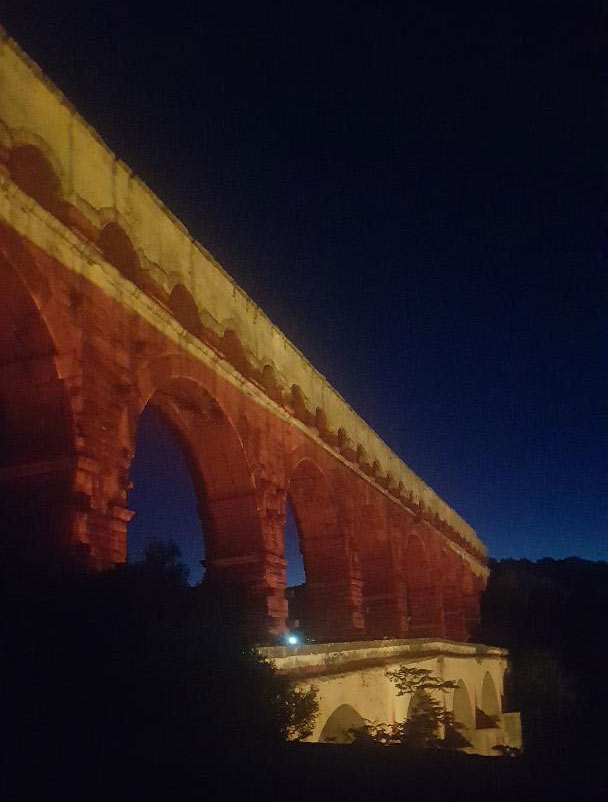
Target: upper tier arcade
x=133, y=311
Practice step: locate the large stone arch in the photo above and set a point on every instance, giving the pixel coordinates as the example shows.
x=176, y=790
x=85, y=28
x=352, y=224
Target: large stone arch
x=451, y=586
x=310, y=494
x=383, y=603
x=37, y=452
x=423, y=596
x=340, y=724
x=470, y=600
x=329, y=591
x=222, y=477
x=237, y=556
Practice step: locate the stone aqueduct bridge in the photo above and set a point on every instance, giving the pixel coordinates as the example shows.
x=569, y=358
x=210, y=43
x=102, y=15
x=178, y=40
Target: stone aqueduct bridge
x=107, y=304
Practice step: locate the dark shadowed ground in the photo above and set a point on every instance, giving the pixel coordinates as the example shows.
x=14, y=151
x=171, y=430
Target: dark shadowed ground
x=301, y=771
x=134, y=685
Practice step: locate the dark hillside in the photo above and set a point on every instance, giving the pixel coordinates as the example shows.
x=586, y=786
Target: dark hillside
x=552, y=615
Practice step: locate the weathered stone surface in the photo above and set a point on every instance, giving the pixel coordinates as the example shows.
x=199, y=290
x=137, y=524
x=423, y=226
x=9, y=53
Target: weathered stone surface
x=353, y=686
x=107, y=305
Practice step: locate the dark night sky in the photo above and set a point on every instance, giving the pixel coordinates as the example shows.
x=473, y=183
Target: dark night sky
x=417, y=198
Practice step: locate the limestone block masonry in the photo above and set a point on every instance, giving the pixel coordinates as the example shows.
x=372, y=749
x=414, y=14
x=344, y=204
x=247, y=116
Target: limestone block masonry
x=107, y=304
x=353, y=687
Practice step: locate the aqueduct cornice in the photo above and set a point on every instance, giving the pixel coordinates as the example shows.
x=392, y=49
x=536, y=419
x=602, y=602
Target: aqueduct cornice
x=217, y=323
x=107, y=307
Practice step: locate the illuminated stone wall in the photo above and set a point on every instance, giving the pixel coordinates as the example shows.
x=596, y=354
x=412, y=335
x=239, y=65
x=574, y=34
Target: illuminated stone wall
x=107, y=304
x=353, y=687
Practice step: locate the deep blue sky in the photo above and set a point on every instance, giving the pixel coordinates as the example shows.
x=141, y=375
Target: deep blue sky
x=418, y=199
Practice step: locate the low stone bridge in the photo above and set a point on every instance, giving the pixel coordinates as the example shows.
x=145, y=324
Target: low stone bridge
x=108, y=305
x=353, y=687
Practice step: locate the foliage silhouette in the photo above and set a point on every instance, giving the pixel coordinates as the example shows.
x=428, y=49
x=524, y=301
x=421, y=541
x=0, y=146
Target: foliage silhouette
x=136, y=658
x=429, y=725
x=550, y=615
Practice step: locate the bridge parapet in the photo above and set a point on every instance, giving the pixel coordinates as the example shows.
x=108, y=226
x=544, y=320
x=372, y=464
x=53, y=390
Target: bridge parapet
x=95, y=196
x=353, y=686
x=323, y=659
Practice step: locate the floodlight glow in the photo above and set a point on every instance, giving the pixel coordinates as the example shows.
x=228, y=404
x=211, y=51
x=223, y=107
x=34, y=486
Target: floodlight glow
x=292, y=640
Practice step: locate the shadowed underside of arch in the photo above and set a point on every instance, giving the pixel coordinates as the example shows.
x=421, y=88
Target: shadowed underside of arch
x=239, y=558
x=339, y=726
x=463, y=710
x=470, y=599
x=222, y=478
x=316, y=517
x=160, y=466
x=452, y=597
x=331, y=581
x=36, y=431
x=423, y=597
x=34, y=175
x=488, y=712
x=383, y=604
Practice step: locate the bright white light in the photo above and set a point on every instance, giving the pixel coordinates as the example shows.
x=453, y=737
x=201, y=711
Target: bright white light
x=292, y=640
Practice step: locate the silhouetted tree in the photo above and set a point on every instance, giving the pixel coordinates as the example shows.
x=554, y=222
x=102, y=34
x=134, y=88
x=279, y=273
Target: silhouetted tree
x=135, y=661
x=550, y=614
x=429, y=725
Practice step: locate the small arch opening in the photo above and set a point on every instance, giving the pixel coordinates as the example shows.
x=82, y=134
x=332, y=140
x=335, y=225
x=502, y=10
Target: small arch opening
x=299, y=404
x=295, y=575
x=34, y=175
x=463, y=710
x=235, y=352
x=118, y=249
x=339, y=726
x=422, y=726
x=271, y=384
x=184, y=308
x=417, y=705
x=488, y=714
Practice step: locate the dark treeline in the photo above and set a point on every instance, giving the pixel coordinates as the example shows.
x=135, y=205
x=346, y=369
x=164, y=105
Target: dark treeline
x=131, y=682
x=132, y=668
x=552, y=616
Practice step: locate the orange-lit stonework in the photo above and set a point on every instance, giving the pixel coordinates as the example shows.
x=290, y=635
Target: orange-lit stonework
x=106, y=305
